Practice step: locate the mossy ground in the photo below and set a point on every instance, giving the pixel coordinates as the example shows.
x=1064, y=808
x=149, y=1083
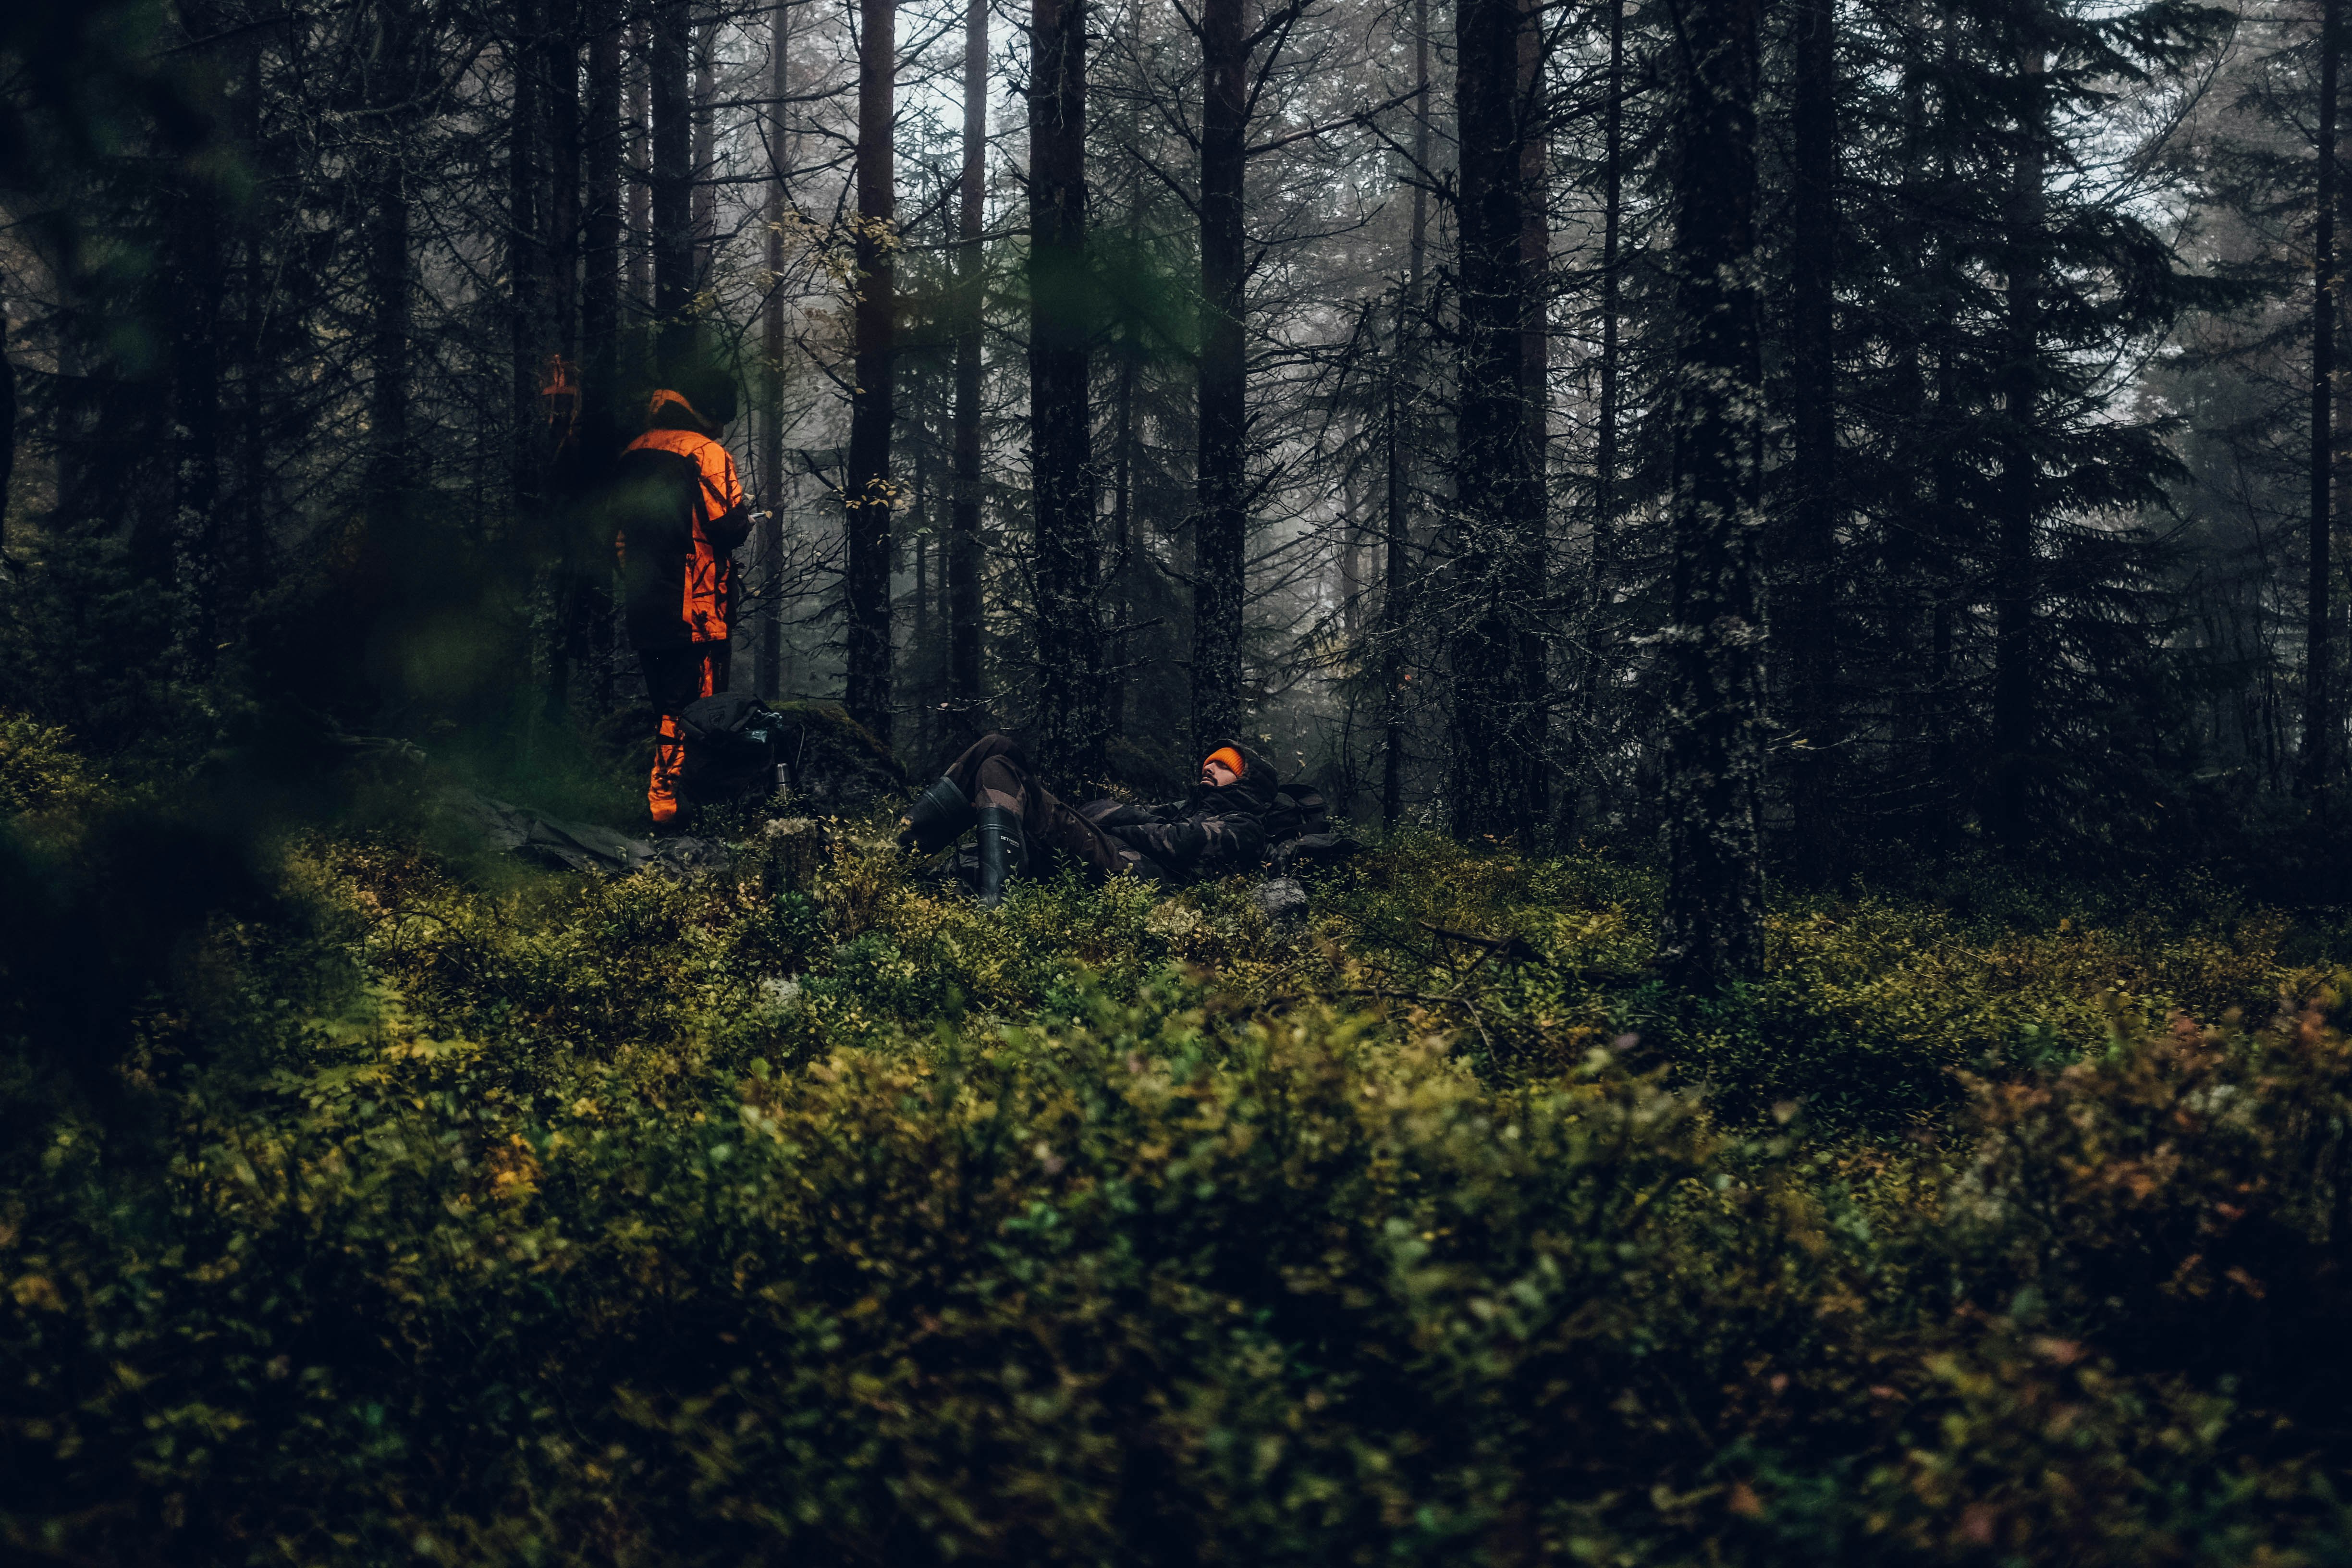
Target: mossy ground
x=457, y=1212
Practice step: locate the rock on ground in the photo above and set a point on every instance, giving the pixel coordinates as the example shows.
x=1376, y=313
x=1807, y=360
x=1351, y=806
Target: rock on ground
x=1284, y=900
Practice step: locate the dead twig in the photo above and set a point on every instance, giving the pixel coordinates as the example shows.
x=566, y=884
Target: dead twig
x=1511, y=949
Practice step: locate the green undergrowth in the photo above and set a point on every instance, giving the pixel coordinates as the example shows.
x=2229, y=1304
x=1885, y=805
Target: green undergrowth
x=799, y=1213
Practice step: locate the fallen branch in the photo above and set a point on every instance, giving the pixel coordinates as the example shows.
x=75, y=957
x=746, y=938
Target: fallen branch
x=1513, y=949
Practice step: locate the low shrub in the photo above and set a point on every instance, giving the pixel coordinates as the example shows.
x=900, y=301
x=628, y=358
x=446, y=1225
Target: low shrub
x=798, y=1210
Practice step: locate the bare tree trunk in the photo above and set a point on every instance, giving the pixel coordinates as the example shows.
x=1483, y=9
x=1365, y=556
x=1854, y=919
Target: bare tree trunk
x=1713, y=925
x=1222, y=526
x=390, y=275
x=600, y=294
x=2318, y=653
x=705, y=149
x=2015, y=588
x=1902, y=563
x=1396, y=573
x=525, y=269
x=869, y=494
x=1395, y=585
x=639, y=71
x=768, y=680
x=1352, y=569
x=919, y=547
x=1068, y=632
x=558, y=419
x=1600, y=621
x=1498, y=565
x=249, y=551
x=200, y=280
x=1943, y=520
x=7, y=413
x=1812, y=619
x=964, y=553
x=673, y=188
x=1613, y=207
x=1531, y=652
x=70, y=432
x=562, y=86
x=1122, y=536
x=602, y=148
x=1535, y=247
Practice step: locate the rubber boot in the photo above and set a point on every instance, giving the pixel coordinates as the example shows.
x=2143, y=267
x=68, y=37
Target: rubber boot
x=1003, y=852
x=937, y=819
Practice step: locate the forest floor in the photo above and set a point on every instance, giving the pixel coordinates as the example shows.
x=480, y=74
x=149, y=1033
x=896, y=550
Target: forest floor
x=443, y=1209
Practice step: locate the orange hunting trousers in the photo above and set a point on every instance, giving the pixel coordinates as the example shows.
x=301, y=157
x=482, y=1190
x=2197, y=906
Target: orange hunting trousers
x=675, y=679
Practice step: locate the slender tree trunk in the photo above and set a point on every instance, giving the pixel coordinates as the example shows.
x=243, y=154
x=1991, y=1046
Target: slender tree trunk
x=1943, y=630
x=1905, y=604
x=770, y=545
x=601, y=148
x=200, y=281
x=1600, y=623
x=673, y=188
x=1068, y=632
x=1812, y=374
x=249, y=429
x=526, y=271
x=599, y=294
x=2318, y=652
x=1395, y=585
x=638, y=74
x=1222, y=526
x=70, y=433
x=564, y=214
x=2015, y=589
x=1713, y=926
x=390, y=276
x=1944, y=523
x=7, y=413
x=558, y=419
x=705, y=149
x=964, y=553
x=1535, y=250
x=1396, y=573
x=1122, y=535
x=1613, y=207
x=918, y=540
x=1416, y=256
x=1497, y=567
x=1532, y=650
x=1354, y=572
x=869, y=493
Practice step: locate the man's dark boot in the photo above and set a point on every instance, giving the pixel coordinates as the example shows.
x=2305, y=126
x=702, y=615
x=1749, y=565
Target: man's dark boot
x=937, y=819
x=1003, y=852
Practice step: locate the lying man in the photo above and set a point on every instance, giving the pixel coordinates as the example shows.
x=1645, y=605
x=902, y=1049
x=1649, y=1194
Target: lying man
x=1220, y=827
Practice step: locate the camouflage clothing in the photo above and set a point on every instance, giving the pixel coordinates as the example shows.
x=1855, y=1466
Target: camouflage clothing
x=1212, y=832
x=993, y=772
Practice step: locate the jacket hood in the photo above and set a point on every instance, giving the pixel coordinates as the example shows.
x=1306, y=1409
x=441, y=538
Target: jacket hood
x=1253, y=790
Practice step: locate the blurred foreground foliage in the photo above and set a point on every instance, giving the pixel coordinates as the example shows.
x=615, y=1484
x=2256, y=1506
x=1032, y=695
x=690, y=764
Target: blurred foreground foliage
x=440, y=1210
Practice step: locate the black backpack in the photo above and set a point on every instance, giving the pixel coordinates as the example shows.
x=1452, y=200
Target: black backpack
x=1299, y=831
x=734, y=742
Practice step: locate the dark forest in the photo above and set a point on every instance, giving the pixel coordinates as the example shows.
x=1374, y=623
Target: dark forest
x=1174, y=781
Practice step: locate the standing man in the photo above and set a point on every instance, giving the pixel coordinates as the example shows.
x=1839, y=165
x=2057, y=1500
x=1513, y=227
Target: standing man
x=679, y=517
